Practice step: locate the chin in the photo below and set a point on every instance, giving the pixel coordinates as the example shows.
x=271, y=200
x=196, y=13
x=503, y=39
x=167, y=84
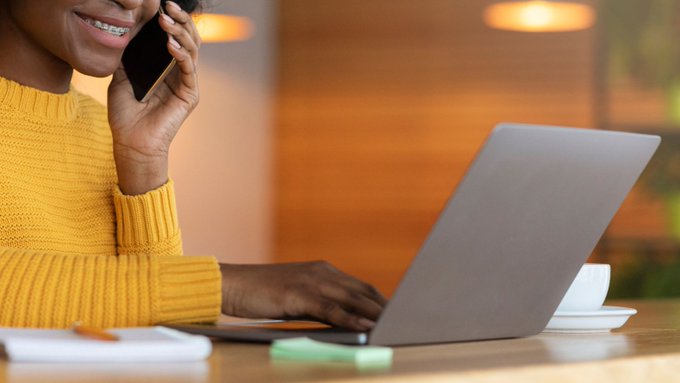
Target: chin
x=98, y=69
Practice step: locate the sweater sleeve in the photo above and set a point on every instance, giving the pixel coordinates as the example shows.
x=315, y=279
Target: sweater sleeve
x=39, y=289
x=147, y=223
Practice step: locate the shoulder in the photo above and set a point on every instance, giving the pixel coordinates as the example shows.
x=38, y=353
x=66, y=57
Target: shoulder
x=88, y=106
x=92, y=112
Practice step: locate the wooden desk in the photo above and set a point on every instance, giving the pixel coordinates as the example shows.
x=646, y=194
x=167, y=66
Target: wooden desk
x=647, y=349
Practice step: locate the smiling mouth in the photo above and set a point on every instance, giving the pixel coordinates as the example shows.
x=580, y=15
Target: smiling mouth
x=111, y=29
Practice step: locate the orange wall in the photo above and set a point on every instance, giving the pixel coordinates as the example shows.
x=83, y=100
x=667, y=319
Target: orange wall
x=222, y=157
x=382, y=104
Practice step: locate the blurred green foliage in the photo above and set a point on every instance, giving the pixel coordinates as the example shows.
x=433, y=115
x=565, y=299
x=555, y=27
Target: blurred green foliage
x=645, y=278
x=662, y=175
x=641, y=37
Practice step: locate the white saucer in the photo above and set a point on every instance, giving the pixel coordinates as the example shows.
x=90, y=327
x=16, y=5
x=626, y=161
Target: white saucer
x=605, y=319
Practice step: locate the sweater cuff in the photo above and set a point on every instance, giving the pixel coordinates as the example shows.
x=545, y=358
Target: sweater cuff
x=148, y=220
x=189, y=290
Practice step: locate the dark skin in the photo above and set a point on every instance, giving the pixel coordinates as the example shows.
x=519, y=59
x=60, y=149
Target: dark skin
x=51, y=38
x=300, y=290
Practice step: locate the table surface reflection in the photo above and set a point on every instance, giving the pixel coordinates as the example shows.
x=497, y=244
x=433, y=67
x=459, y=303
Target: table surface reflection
x=646, y=349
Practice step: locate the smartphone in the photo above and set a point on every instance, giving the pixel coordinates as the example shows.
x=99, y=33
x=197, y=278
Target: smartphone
x=146, y=58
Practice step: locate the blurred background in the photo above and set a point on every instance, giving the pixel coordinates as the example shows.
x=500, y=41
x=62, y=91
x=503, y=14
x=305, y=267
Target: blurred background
x=337, y=129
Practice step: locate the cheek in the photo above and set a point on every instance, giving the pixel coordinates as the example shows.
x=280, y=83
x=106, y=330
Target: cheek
x=149, y=9
x=49, y=29
x=91, y=60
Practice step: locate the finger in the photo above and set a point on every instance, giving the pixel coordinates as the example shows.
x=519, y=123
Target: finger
x=351, y=283
x=331, y=312
x=355, y=285
x=185, y=57
x=119, y=76
x=351, y=300
x=367, y=290
x=177, y=13
x=180, y=35
x=185, y=19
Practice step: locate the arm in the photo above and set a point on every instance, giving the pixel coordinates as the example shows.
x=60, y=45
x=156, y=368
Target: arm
x=39, y=289
x=147, y=224
x=143, y=132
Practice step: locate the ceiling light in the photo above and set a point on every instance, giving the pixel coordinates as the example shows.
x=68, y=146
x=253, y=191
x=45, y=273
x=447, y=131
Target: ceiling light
x=539, y=16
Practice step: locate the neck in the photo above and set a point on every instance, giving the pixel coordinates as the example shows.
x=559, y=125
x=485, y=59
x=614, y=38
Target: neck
x=25, y=62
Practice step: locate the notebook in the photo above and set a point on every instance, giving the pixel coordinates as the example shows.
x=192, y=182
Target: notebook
x=142, y=344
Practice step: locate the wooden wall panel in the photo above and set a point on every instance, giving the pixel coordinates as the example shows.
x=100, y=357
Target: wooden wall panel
x=381, y=106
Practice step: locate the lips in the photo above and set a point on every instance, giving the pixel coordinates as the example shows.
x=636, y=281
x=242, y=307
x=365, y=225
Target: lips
x=115, y=27
x=107, y=31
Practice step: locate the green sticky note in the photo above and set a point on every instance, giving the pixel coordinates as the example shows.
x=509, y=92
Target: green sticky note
x=312, y=350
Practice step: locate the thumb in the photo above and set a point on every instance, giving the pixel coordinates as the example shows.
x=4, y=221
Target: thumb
x=119, y=83
x=119, y=76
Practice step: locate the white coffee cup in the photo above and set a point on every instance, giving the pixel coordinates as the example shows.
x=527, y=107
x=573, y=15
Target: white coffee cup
x=588, y=290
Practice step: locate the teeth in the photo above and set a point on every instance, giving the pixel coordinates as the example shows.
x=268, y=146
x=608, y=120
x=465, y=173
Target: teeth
x=112, y=29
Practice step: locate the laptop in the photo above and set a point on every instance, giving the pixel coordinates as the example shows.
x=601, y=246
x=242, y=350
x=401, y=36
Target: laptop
x=507, y=245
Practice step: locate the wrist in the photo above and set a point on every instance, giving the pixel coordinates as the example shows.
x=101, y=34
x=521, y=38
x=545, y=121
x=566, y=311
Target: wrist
x=229, y=293
x=139, y=174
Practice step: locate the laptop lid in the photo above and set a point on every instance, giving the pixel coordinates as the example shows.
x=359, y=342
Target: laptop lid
x=509, y=242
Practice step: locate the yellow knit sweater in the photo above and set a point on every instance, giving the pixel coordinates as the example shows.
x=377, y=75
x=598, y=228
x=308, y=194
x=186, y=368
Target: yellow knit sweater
x=72, y=246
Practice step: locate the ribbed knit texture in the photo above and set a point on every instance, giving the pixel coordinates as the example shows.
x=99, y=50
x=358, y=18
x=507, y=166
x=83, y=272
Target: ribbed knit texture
x=72, y=246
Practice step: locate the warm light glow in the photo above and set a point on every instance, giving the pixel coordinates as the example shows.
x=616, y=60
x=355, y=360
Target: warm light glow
x=539, y=16
x=215, y=28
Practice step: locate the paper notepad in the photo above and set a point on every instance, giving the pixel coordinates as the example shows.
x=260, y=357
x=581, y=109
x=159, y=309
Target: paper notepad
x=141, y=344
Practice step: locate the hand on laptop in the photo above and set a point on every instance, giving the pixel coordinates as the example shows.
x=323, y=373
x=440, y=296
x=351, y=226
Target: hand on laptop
x=300, y=290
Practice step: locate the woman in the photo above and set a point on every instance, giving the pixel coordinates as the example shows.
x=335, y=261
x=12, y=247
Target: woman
x=88, y=228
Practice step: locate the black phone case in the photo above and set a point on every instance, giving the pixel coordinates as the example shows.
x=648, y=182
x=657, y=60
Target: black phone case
x=146, y=59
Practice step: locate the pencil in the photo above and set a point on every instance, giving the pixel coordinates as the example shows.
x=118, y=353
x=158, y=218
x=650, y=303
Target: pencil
x=93, y=332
